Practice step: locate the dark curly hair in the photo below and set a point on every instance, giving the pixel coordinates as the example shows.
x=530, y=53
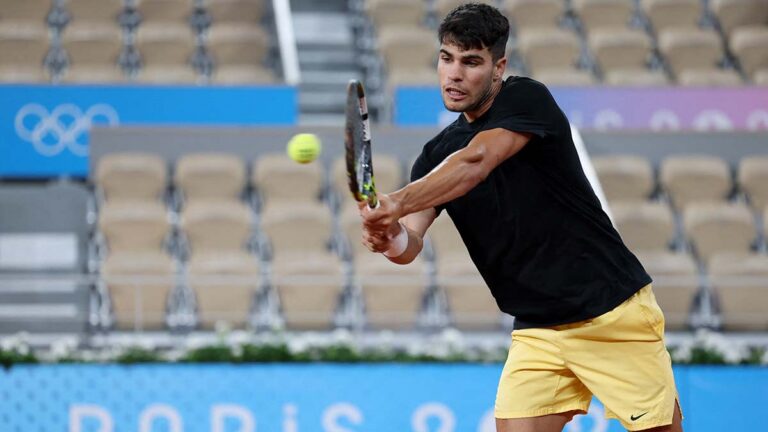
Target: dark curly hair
x=476, y=26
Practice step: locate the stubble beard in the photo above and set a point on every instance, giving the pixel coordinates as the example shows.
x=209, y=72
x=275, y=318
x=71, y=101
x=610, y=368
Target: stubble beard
x=485, y=95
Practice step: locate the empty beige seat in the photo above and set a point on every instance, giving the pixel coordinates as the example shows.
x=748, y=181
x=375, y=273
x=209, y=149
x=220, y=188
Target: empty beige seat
x=170, y=11
x=412, y=76
x=278, y=178
x=644, y=225
x=133, y=226
x=636, y=78
x=164, y=44
x=736, y=13
x=446, y=240
x=216, y=226
x=719, y=227
x=741, y=283
x=624, y=177
x=25, y=10
x=675, y=284
x=442, y=7
x=525, y=14
x=688, y=178
x=297, y=227
x=470, y=303
x=309, y=287
x=131, y=176
x=750, y=45
x=549, y=48
x=225, y=283
x=94, y=10
x=686, y=49
x=139, y=284
x=666, y=14
x=569, y=76
x=238, y=44
x=392, y=293
x=248, y=11
x=401, y=13
x=352, y=226
x=407, y=47
x=210, y=176
x=620, y=48
x=22, y=74
x=387, y=171
x=94, y=74
x=604, y=14
x=242, y=75
x=753, y=180
x=23, y=43
x=92, y=44
x=167, y=74
x=761, y=77
x=709, y=78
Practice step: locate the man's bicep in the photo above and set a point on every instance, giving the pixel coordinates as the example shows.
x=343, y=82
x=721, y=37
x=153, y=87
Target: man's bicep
x=419, y=222
x=498, y=145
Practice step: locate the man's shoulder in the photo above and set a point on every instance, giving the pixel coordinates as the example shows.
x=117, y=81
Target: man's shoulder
x=520, y=84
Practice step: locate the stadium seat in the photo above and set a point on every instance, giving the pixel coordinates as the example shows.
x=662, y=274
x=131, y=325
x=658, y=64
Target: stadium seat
x=139, y=284
x=22, y=74
x=624, y=177
x=636, y=78
x=753, y=180
x=709, y=78
x=242, y=75
x=167, y=74
x=92, y=44
x=398, y=13
x=686, y=49
x=719, y=227
x=210, y=176
x=137, y=272
x=94, y=10
x=688, y=178
x=23, y=43
x=446, y=240
x=568, y=76
x=388, y=175
x=25, y=10
x=675, y=284
x=442, y=7
x=604, y=14
x=131, y=176
x=672, y=14
x=239, y=44
x=309, y=286
x=647, y=226
x=243, y=11
x=211, y=227
x=297, y=227
x=93, y=74
x=351, y=226
x=750, y=45
x=526, y=14
x=620, y=48
x=549, y=48
x=736, y=13
x=225, y=283
x=761, y=77
x=278, y=178
x=407, y=48
x=392, y=293
x=165, y=44
x=741, y=284
x=165, y=11
x=412, y=76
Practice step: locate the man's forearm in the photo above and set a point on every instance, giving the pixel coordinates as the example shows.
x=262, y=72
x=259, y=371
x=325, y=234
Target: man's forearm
x=415, y=244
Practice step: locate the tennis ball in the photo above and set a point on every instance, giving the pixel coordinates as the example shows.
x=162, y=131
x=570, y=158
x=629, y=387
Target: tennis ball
x=304, y=147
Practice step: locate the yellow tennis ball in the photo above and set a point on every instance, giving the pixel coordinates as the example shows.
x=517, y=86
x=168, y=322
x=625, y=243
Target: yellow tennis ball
x=304, y=147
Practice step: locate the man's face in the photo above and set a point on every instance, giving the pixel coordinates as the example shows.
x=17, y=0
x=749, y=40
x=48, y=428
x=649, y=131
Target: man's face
x=466, y=77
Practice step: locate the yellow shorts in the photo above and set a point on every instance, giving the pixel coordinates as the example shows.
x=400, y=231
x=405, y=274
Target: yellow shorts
x=619, y=357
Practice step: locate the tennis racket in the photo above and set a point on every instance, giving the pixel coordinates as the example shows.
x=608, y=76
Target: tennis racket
x=357, y=143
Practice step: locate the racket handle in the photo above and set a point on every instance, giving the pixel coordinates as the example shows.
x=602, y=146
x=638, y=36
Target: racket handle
x=373, y=201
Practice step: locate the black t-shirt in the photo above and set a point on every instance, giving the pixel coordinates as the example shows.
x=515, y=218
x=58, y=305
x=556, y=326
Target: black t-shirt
x=534, y=227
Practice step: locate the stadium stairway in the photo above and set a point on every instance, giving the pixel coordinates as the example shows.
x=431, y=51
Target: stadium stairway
x=327, y=59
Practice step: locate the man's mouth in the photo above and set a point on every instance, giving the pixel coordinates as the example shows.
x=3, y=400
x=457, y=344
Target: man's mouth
x=455, y=94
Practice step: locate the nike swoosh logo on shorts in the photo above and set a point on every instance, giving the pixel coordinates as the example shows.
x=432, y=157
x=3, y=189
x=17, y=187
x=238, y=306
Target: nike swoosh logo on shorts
x=633, y=418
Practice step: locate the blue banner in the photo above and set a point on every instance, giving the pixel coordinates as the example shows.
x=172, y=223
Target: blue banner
x=321, y=397
x=44, y=128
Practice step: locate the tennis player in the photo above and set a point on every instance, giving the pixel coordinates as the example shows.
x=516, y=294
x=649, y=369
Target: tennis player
x=508, y=174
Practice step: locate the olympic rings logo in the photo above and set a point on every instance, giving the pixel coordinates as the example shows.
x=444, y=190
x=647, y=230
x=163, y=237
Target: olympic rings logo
x=52, y=132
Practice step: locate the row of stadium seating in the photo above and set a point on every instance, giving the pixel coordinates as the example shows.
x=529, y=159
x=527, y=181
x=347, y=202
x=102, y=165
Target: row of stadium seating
x=158, y=41
x=291, y=238
x=617, y=42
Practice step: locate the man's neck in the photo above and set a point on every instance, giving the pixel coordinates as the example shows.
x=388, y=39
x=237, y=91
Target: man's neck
x=471, y=116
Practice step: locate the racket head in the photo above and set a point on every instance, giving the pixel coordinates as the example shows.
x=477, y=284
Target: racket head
x=357, y=145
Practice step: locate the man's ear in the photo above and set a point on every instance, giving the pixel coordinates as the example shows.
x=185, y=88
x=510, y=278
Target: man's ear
x=499, y=67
